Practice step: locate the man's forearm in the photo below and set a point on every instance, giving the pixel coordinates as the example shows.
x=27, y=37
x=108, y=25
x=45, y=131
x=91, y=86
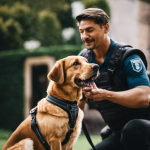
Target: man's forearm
x=138, y=97
x=133, y=98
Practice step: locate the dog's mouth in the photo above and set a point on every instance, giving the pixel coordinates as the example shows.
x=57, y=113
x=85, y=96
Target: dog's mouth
x=85, y=83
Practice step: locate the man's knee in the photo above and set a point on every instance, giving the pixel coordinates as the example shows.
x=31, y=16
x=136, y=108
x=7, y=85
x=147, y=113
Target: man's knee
x=133, y=129
x=136, y=135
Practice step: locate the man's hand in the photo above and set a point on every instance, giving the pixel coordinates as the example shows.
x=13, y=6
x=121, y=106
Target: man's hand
x=138, y=97
x=94, y=93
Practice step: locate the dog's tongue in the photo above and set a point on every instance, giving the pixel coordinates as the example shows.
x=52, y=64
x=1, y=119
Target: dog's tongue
x=86, y=83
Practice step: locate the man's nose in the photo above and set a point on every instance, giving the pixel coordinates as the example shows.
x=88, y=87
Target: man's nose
x=85, y=35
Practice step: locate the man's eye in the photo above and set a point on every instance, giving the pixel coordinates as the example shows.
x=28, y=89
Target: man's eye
x=90, y=30
x=76, y=63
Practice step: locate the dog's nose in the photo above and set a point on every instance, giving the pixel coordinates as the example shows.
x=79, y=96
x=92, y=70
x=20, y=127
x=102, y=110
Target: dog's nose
x=95, y=67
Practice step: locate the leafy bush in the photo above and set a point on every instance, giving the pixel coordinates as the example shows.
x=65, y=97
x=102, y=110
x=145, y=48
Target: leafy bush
x=19, y=24
x=10, y=31
x=23, y=14
x=61, y=8
x=49, y=29
x=64, y=14
x=14, y=26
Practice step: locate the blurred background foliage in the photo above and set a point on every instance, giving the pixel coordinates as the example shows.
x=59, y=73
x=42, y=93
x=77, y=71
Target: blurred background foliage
x=25, y=20
x=97, y=4
x=148, y=1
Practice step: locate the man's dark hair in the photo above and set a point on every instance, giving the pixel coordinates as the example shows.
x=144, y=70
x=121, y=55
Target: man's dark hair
x=98, y=15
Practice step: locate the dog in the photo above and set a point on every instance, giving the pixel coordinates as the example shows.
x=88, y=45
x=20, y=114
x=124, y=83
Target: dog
x=67, y=78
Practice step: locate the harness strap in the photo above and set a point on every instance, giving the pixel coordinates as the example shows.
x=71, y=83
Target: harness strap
x=34, y=127
x=117, y=53
x=71, y=108
x=115, y=60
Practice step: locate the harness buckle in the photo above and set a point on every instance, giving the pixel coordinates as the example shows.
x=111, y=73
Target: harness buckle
x=111, y=70
x=33, y=110
x=71, y=129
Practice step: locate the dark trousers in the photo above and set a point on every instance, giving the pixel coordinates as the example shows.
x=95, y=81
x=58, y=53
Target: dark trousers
x=135, y=136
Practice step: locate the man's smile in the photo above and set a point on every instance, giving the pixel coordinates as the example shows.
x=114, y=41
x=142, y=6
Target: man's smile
x=87, y=42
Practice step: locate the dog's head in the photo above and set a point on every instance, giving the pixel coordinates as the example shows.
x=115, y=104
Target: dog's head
x=74, y=71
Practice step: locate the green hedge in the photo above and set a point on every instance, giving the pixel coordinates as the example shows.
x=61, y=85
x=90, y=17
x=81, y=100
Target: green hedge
x=12, y=80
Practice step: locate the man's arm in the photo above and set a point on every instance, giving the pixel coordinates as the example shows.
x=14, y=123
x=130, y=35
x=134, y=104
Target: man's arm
x=139, y=93
x=138, y=97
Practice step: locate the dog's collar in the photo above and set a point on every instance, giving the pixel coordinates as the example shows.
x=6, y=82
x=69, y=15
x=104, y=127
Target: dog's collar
x=63, y=104
x=71, y=108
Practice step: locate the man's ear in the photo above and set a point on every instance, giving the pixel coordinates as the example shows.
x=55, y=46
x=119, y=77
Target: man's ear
x=57, y=72
x=106, y=28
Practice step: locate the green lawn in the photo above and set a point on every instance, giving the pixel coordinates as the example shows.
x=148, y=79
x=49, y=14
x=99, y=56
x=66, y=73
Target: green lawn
x=81, y=144
x=4, y=135
x=2, y=142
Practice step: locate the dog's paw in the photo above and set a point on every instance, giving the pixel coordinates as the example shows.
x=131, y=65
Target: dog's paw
x=25, y=144
x=28, y=144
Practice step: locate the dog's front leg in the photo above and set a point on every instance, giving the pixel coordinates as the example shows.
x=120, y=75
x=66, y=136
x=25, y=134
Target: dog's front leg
x=71, y=148
x=55, y=145
x=67, y=147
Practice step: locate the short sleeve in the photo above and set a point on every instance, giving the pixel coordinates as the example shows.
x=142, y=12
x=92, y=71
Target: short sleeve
x=135, y=71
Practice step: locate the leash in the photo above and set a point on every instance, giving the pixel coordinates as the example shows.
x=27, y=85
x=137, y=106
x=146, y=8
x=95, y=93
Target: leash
x=87, y=135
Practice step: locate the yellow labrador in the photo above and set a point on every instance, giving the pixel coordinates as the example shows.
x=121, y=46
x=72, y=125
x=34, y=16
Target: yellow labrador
x=68, y=76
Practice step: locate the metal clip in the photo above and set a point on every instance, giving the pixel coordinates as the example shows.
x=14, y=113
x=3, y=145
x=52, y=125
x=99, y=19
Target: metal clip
x=33, y=110
x=111, y=70
x=71, y=128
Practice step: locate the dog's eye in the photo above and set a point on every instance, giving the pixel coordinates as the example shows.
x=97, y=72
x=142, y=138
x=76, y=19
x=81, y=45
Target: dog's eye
x=76, y=63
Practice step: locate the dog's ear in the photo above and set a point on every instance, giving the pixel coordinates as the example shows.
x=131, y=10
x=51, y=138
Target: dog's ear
x=57, y=72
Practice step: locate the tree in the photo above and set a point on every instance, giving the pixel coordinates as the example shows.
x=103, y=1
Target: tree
x=10, y=31
x=18, y=23
x=49, y=28
x=61, y=7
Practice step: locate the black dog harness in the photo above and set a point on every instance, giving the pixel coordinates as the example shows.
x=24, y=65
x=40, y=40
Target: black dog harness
x=70, y=107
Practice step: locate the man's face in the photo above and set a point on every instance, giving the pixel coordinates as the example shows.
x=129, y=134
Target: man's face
x=91, y=34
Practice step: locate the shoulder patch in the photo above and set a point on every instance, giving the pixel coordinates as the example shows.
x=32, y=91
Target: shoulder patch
x=136, y=64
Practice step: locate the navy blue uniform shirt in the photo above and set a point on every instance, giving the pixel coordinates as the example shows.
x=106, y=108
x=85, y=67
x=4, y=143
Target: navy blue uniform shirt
x=133, y=71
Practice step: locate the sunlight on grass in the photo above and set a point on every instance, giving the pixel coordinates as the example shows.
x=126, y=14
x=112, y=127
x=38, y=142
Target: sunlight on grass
x=4, y=135
x=83, y=144
x=2, y=143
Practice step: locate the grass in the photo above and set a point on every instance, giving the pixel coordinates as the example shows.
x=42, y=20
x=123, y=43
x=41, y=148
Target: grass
x=2, y=143
x=81, y=144
x=4, y=135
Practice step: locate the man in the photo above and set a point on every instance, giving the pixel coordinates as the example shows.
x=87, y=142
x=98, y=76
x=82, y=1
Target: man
x=127, y=112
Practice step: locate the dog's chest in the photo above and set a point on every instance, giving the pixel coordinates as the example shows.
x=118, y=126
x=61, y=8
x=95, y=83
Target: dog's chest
x=54, y=121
